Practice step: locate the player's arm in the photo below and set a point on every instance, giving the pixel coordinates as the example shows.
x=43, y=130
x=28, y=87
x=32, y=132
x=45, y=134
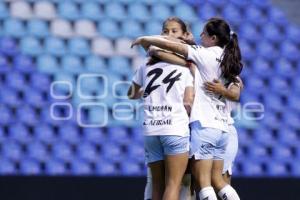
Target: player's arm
x=232, y=92
x=171, y=58
x=163, y=43
x=135, y=91
x=188, y=99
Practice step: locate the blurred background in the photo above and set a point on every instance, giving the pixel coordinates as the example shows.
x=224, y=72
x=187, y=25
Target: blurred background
x=65, y=67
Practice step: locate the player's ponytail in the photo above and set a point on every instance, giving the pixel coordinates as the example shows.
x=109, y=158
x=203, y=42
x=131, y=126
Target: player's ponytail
x=231, y=64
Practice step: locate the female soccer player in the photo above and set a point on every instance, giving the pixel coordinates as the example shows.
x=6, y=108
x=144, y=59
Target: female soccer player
x=232, y=95
x=168, y=97
x=173, y=27
x=219, y=57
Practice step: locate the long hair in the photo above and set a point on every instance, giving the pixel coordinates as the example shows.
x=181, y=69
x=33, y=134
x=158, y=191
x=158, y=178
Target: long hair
x=231, y=64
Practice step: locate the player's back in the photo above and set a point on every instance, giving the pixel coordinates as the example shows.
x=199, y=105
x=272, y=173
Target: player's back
x=164, y=88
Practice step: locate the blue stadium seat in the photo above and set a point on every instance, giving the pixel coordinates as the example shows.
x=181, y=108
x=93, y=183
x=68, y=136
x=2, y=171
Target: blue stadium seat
x=255, y=84
x=14, y=28
x=292, y=33
x=26, y=114
x=80, y=167
x=55, y=46
x=137, y=134
x=109, y=28
x=291, y=119
x=118, y=9
x=120, y=65
x=277, y=16
x=288, y=136
x=296, y=84
x=272, y=32
x=4, y=11
x=267, y=50
x=206, y=11
x=232, y=14
x=88, y=152
x=264, y=135
x=79, y=47
x=252, y=13
x=45, y=133
x=20, y=133
x=282, y=152
x=55, y=167
x=272, y=121
x=37, y=151
x=280, y=85
x=170, y=2
x=4, y=65
x=260, y=65
x=249, y=32
x=295, y=168
x=284, y=67
x=72, y=64
x=94, y=135
x=289, y=50
x=252, y=168
x=47, y=64
x=38, y=28
x=35, y=98
x=62, y=151
x=261, y=4
x=153, y=27
x=68, y=10
x=129, y=168
x=7, y=167
x=40, y=81
x=8, y=46
x=95, y=64
x=132, y=29
x=274, y=102
x=91, y=11
x=16, y=80
x=9, y=97
x=30, y=167
x=139, y=12
x=160, y=12
x=31, y=46
x=112, y=152
x=118, y=135
x=24, y=63
x=185, y=12
x=247, y=50
x=69, y=133
x=258, y=152
x=276, y=169
x=293, y=102
x=136, y=152
x=106, y=168
x=12, y=150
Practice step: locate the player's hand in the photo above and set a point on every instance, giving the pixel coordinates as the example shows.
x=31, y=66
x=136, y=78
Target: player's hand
x=216, y=87
x=137, y=41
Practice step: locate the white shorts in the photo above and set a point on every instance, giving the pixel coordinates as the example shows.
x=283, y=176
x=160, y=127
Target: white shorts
x=231, y=150
x=207, y=143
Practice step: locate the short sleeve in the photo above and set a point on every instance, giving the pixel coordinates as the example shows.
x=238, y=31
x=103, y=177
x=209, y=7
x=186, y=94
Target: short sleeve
x=195, y=54
x=138, y=76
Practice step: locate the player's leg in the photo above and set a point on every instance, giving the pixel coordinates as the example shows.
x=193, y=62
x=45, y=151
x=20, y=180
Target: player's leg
x=158, y=179
x=203, y=142
x=154, y=158
x=148, y=187
x=176, y=150
x=225, y=191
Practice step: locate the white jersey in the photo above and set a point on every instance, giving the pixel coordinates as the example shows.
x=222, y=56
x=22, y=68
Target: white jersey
x=208, y=108
x=164, y=86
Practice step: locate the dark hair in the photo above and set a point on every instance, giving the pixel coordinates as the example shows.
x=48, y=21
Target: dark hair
x=183, y=25
x=231, y=64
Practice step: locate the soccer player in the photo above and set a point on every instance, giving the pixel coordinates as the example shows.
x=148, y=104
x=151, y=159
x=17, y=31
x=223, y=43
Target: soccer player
x=167, y=92
x=219, y=57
